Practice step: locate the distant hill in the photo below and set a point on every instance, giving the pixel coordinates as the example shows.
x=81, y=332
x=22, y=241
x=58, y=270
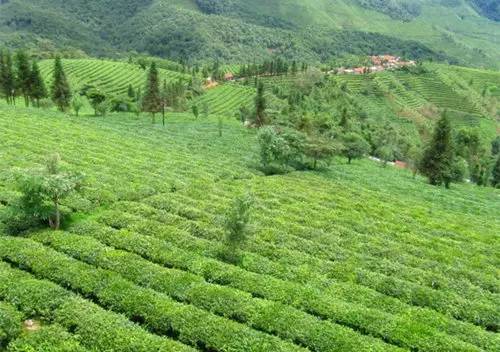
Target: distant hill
x=457, y=31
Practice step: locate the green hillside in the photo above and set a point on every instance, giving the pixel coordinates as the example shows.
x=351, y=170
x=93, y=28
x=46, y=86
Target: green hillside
x=459, y=31
x=358, y=257
x=110, y=76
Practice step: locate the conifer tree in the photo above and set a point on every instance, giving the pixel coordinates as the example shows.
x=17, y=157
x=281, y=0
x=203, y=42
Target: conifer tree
x=260, y=105
x=495, y=180
x=7, y=82
x=438, y=160
x=37, y=85
x=164, y=101
x=61, y=91
x=130, y=92
x=152, y=99
x=23, y=76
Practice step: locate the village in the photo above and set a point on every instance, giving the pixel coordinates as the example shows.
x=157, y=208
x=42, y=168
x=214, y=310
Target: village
x=379, y=63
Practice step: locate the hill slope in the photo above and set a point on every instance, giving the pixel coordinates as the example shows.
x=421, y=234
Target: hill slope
x=235, y=30
x=358, y=257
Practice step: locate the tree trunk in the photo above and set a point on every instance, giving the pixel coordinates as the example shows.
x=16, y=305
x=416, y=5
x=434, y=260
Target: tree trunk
x=57, y=222
x=153, y=120
x=349, y=160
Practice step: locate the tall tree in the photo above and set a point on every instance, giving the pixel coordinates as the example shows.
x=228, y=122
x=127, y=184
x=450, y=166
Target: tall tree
x=7, y=82
x=61, y=91
x=438, y=160
x=260, y=105
x=38, y=89
x=152, y=99
x=495, y=180
x=23, y=75
x=131, y=92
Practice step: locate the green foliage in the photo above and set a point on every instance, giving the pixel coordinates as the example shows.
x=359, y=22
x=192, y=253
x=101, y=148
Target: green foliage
x=7, y=77
x=236, y=225
x=495, y=180
x=195, y=110
x=274, y=149
x=38, y=90
x=348, y=259
x=260, y=106
x=48, y=339
x=23, y=75
x=77, y=103
x=61, y=91
x=439, y=157
x=151, y=101
x=41, y=194
x=96, y=98
x=354, y=146
x=10, y=323
x=404, y=10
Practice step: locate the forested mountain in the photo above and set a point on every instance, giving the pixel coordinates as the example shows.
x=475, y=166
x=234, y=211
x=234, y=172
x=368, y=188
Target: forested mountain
x=457, y=31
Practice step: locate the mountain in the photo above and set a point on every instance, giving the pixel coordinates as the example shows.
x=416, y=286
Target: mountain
x=457, y=31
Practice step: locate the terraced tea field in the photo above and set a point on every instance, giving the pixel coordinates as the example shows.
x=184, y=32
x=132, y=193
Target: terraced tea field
x=113, y=77
x=227, y=99
x=356, y=258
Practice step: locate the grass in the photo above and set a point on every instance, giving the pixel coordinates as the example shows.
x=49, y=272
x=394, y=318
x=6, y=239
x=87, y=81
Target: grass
x=357, y=257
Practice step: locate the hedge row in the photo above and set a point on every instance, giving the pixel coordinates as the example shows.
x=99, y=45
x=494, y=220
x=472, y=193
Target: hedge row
x=51, y=338
x=272, y=317
x=95, y=328
x=10, y=323
x=304, y=297
x=160, y=313
x=172, y=211
x=267, y=261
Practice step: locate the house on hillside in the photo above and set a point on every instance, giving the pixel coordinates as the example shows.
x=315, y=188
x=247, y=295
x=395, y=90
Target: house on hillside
x=229, y=77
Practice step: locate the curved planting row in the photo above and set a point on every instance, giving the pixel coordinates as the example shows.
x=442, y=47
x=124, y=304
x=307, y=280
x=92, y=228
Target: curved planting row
x=227, y=99
x=274, y=318
x=157, y=311
x=112, y=77
x=372, y=272
x=95, y=328
x=335, y=304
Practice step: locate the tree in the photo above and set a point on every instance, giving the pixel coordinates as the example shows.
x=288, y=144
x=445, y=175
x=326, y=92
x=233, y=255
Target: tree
x=260, y=105
x=385, y=153
x=7, y=82
x=196, y=112
x=495, y=179
x=131, y=92
x=495, y=146
x=77, y=104
x=273, y=148
x=236, y=226
x=319, y=148
x=61, y=91
x=37, y=85
x=96, y=98
x=152, y=100
x=438, y=159
x=413, y=159
x=42, y=191
x=355, y=146
x=103, y=107
x=344, y=120
x=23, y=75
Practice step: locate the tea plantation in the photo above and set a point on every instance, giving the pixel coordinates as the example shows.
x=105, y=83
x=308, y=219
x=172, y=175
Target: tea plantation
x=113, y=77
x=354, y=258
